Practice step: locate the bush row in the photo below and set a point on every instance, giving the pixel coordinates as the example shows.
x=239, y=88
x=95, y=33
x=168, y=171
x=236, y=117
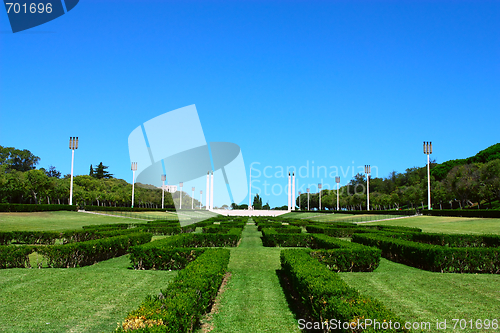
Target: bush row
x=434, y=257
x=89, y=252
x=450, y=240
x=12, y=256
x=126, y=209
x=35, y=208
x=348, y=231
x=327, y=297
x=488, y=213
x=180, y=306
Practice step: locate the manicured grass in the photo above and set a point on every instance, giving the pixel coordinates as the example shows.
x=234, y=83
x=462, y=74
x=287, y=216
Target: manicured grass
x=444, y=224
x=253, y=300
x=54, y=221
x=88, y=299
x=417, y=295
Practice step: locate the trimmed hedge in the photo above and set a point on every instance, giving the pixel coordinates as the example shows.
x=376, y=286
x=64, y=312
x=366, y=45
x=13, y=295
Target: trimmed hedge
x=180, y=306
x=162, y=257
x=29, y=237
x=327, y=297
x=12, y=256
x=35, y=208
x=486, y=213
x=202, y=240
x=434, y=257
x=127, y=209
x=90, y=252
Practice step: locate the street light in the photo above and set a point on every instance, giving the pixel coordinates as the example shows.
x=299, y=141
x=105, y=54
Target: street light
x=180, y=195
x=73, y=144
x=134, y=169
x=307, y=199
x=428, y=151
x=201, y=195
x=299, y=198
x=192, y=199
x=163, y=178
x=368, y=170
x=319, y=189
x=337, y=180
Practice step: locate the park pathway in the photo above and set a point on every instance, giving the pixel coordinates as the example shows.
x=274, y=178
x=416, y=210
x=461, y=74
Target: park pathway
x=253, y=300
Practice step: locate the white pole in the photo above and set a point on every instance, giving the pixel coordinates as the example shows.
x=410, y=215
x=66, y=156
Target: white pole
x=337, y=179
x=289, y=192
x=192, y=199
x=180, y=195
x=299, y=198
x=307, y=199
x=293, y=192
x=250, y=192
x=319, y=189
x=368, y=171
x=133, y=187
x=212, y=192
x=71, y=187
x=163, y=178
x=201, y=196
x=207, y=200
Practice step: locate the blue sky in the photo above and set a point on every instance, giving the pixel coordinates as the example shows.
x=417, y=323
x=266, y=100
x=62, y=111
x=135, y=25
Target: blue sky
x=337, y=83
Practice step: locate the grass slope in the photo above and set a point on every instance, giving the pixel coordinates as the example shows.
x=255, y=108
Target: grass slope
x=450, y=225
x=253, y=300
x=54, y=221
x=88, y=299
x=422, y=296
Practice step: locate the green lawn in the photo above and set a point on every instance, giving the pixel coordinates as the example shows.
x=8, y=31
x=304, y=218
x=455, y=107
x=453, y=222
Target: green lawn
x=87, y=299
x=253, y=300
x=417, y=295
x=444, y=224
x=55, y=221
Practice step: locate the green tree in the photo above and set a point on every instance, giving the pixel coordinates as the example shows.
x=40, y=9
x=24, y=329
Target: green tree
x=20, y=160
x=101, y=172
x=257, y=202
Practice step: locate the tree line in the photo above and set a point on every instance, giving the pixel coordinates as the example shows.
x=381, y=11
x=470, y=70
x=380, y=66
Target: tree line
x=21, y=182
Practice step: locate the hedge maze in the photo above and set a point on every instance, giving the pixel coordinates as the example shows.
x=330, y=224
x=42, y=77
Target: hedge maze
x=314, y=253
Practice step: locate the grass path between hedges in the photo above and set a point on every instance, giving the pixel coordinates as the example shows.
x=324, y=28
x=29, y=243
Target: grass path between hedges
x=253, y=300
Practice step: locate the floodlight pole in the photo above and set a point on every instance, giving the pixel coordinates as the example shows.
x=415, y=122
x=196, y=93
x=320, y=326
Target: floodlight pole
x=299, y=198
x=192, y=199
x=293, y=191
x=163, y=178
x=180, y=195
x=337, y=180
x=428, y=151
x=319, y=189
x=307, y=199
x=134, y=169
x=250, y=191
x=73, y=144
x=289, y=192
x=212, y=191
x=208, y=192
x=201, y=196
x=368, y=170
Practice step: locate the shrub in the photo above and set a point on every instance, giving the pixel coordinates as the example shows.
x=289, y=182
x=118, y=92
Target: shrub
x=185, y=300
x=326, y=296
x=89, y=252
x=12, y=256
x=486, y=213
x=35, y=208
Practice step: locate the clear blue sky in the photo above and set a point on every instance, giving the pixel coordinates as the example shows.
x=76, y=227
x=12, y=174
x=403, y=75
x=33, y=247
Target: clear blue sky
x=340, y=83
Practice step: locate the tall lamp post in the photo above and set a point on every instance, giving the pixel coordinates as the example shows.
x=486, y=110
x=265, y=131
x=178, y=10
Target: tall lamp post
x=428, y=151
x=73, y=144
x=337, y=180
x=201, y=195
x=192, y=198
x=319, y=189
x=368, y=170
x=134, y=169
x=163, y=178
x=299, y=198
x=307, y=199
x=180, y=195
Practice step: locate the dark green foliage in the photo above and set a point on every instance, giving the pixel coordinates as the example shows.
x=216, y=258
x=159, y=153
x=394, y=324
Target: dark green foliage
x=326, y=295
x=435, y=257
x=35, y=208
x=12, y=256
x=29, y=237
x=486, y=213
x=89, y=252
x=128, y=209
x=202, y=240
x=162, y=257
x=16, y=159
x=179, y=307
